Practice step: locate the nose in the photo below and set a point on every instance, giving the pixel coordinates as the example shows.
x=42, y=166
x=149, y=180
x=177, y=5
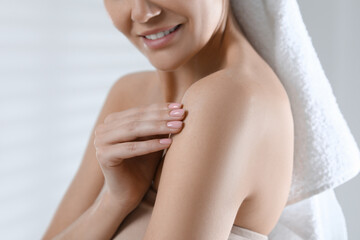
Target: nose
x=143, y=10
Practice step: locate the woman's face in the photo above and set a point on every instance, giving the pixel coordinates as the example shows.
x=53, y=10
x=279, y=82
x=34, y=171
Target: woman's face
x=198, y=20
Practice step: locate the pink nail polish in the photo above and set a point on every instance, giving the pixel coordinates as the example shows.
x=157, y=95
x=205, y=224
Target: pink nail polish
x=174, y=124
x=177, y=112
x=174, y=105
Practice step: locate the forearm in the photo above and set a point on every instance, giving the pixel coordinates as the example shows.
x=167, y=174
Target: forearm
x=100, y=221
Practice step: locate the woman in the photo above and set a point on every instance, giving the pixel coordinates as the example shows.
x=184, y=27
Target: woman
x=232, y=146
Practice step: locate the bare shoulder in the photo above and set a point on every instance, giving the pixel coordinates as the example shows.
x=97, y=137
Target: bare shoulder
x=260, y=103
x=260, y=108
x=239, y=87
x=133, y=89
x=136, y=78
x=226, y=98
x=134, y=81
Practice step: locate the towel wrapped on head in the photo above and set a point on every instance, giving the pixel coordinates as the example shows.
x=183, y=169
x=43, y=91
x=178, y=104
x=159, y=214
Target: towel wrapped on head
x=325, y=152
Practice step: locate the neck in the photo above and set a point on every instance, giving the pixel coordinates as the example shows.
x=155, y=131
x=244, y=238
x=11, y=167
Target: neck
x=226, y=46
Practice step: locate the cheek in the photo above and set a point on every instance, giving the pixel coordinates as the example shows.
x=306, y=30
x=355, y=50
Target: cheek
x=205, y=17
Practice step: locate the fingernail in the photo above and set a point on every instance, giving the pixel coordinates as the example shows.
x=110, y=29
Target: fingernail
x=174, y=105
x=177, y=112
x=174, y=124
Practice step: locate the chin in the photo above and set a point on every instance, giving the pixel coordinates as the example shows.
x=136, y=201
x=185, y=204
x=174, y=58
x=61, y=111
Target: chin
x=166, y=65
x=166, y=68
x=170, y=61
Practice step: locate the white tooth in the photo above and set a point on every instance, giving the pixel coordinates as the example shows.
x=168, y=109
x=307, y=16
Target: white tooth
x=152, y=36
x=160, y=34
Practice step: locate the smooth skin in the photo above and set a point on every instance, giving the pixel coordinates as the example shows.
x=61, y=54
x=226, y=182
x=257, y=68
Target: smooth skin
x=229, y=163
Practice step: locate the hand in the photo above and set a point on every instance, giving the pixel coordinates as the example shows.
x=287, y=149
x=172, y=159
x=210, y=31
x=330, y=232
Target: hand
x=129, y=165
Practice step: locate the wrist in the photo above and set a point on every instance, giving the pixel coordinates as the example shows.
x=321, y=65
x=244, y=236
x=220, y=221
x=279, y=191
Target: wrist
x=122, y=204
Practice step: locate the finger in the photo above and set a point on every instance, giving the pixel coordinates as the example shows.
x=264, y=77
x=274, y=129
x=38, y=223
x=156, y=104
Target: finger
x=165, y=115
x=113, y=155
x=135, y=111
x=132, y=130
x=116, y=120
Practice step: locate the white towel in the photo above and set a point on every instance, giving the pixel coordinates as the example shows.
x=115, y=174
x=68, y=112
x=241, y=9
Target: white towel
x=319, y=217
x=326, y=154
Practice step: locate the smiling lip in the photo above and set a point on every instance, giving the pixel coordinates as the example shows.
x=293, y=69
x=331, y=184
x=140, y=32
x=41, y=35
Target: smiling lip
x=163, y=41
x=155, y=31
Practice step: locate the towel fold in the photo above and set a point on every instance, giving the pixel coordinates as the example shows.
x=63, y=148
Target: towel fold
x=319, y=217
x=325, y=152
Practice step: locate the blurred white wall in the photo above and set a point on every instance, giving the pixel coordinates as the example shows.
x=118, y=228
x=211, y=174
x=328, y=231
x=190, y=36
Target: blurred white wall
x=57, y=62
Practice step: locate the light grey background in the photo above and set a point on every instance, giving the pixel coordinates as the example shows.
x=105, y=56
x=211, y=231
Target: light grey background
x=58, y=59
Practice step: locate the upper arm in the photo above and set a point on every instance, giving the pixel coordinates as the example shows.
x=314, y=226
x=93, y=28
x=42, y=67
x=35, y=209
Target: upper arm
x=207, y=170
x=89, y=179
